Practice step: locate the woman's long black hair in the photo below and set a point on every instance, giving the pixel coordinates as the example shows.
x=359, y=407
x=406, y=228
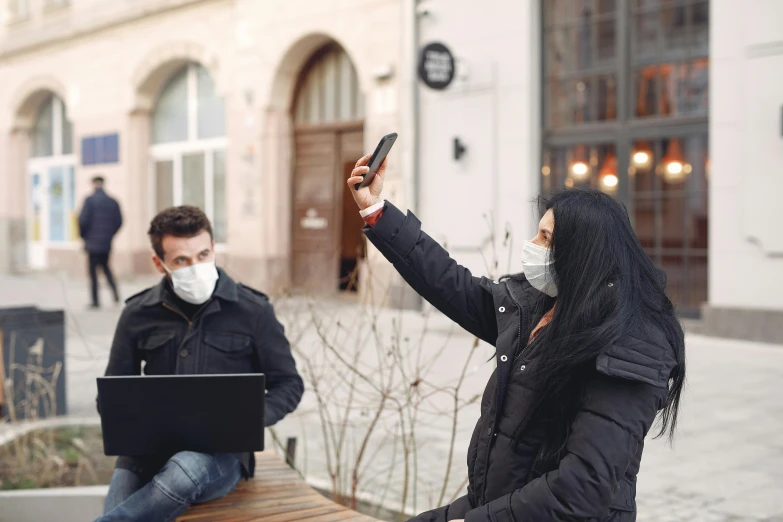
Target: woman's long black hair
x=607, y=287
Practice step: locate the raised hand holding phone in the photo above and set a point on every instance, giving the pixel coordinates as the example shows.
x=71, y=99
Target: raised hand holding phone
x=366, y=181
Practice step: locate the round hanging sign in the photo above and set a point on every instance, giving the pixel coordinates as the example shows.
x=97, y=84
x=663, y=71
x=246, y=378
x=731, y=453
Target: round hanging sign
x=436, y=66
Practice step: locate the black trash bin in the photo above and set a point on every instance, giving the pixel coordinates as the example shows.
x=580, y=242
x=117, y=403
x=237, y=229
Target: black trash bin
x=32, y=343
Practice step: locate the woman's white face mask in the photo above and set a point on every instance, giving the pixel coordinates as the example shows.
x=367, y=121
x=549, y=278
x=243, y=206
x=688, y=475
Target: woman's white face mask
x=538, y=268
x=194, y=284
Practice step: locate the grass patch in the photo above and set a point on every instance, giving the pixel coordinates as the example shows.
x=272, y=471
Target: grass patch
x=58, y=457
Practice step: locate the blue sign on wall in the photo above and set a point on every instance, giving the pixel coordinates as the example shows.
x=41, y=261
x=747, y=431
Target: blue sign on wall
x=99, y=150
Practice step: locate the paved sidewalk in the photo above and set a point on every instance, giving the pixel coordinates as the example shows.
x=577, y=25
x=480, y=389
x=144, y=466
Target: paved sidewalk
x=726, y=463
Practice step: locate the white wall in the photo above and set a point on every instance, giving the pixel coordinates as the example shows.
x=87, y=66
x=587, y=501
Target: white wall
x=493, y=108
x=746, y=152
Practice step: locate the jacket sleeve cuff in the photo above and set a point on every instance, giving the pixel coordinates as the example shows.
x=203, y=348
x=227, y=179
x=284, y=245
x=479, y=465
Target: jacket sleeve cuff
x=372, y=209
x=373, y=218
x=480, y=514
x=499, y=510
x=397, y=230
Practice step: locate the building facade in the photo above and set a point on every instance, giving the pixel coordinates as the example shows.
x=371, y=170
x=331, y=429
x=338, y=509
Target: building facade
x=200, y=102
x=256, y=111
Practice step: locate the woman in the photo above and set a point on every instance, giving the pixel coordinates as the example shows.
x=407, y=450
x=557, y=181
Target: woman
x=589, y=351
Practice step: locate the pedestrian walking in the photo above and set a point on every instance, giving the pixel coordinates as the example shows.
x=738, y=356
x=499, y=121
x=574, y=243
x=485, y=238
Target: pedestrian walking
x=99, y=221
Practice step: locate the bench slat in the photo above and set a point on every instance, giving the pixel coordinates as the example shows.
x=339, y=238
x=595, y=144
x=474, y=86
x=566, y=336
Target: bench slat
x=276, y=494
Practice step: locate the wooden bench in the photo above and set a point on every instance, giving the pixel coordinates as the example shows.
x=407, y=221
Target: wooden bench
x=276, y=494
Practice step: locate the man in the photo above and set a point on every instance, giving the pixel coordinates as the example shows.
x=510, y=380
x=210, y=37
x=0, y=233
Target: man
x=99, y=222
x=196, y=321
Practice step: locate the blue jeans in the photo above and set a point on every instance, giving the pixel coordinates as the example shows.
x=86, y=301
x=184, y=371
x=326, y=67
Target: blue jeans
x=187, y=478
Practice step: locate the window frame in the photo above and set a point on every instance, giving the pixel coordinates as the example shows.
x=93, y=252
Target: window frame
x=174, y=151
x=41, y=165
x=624, y=121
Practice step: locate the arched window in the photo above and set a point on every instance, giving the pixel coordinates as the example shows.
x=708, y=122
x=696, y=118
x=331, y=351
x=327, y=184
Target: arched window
x=52, y=131
x=51, y=182
x=188, y=146
x=329, y=90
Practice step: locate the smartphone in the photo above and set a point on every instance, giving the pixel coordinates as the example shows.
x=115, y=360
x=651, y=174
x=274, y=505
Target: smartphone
x=381, y=151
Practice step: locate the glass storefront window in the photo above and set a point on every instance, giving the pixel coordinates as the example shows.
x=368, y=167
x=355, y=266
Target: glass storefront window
x=580, y=62
x=635, y=148
x=669, y=56
x=672, y=89
x=581, y=166
x=668, y=181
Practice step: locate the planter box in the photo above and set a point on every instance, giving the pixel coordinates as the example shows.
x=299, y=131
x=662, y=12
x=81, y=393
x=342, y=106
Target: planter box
x=32, y=340
x=60, y=504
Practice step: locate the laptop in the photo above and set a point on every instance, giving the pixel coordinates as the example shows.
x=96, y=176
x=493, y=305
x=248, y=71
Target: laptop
x=164, y=414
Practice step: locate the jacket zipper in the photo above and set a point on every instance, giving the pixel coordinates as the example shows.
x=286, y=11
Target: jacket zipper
x=190, y=324
x=166, y=305
x=494, y=421
x=520, y=347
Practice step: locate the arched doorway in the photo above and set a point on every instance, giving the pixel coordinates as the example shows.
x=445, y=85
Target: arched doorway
x=51, y=206
x=328, y=115
x=188, y=147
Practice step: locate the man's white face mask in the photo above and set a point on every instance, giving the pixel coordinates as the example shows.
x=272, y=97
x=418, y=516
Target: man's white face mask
x=538, y=268
x=194, y=284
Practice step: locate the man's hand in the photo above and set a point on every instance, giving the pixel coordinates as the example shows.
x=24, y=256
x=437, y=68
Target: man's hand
x=367, y=196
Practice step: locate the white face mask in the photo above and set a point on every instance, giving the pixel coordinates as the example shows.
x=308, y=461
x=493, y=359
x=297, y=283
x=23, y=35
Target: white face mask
x=194, y=284
x=538, y=268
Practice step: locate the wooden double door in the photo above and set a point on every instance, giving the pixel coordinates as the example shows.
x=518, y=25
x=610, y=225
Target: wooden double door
x=327, y=241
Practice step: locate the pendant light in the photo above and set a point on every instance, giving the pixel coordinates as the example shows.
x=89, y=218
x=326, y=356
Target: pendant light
x=579, y=167
x=607, y=176
x=674, y=167
x=642, y=154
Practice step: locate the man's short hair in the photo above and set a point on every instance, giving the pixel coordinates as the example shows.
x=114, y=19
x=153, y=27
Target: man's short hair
x=98, y=179
x=182, y=221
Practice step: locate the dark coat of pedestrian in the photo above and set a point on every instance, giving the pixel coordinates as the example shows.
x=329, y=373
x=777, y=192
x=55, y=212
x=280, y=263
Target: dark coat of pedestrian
x=99, y=221
x=588, y=351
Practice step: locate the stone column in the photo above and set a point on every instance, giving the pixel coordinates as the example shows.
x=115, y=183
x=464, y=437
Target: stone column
x=138, y=193
x=16, y=200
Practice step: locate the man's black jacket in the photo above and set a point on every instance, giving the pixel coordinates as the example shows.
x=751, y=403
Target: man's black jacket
x=236, y=331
